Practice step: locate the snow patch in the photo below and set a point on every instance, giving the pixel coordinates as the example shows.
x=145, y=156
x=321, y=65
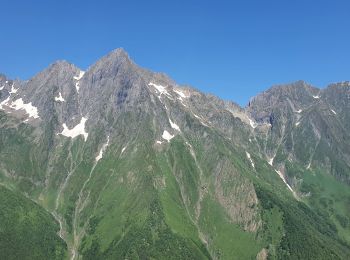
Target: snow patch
x=159, y=142
x=181, y=94
x=297, y=123
x=79, y=129
x=31, y=110
x=252, y=123
x=299, y=111
x=4, y=102
x=284, y=180
x=316, y=97
x=59, y=98
x=123, y=150
x=271, y=161
x=200, y=119
x=204, y=124
x=196, y=116
x=250, y=159
x=333, y=111
x=81, y=74
x=160, y=88
x=308, y=166
x=77, y=84
x=13, y=90
x=167, y=136
x=103, y=149
x=1, y=88
x=174, y=126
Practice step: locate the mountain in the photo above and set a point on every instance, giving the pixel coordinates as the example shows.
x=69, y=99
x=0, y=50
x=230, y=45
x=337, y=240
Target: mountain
x=119, y=162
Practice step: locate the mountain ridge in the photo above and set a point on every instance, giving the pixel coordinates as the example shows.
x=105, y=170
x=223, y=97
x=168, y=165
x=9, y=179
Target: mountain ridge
x=119, y=55
x=132, y=165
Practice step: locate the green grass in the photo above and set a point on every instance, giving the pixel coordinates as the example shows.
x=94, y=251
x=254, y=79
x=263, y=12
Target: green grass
x=329, y=197
x=227, y=240
x=27, y=231
x=142, y=205
x=306, y=235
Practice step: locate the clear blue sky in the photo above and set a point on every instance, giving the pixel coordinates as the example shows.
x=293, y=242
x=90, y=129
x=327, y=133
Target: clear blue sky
x=233, y=49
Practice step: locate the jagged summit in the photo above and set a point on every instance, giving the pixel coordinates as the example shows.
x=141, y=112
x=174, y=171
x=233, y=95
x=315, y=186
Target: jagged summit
x=118, y=56
x=118, y=52
x=111, y=62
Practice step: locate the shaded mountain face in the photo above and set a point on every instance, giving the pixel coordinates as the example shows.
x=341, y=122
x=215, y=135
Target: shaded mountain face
x=131, y=165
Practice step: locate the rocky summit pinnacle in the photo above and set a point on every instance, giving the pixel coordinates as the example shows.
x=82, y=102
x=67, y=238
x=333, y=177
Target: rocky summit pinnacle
x=109, y=65
x=119, y=162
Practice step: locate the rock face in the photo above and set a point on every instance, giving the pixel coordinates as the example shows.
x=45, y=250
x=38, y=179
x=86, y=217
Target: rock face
x=132, y=165
x=305, y=125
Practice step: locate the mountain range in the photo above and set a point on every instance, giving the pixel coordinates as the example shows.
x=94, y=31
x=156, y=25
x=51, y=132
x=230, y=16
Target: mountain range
x=119, y=162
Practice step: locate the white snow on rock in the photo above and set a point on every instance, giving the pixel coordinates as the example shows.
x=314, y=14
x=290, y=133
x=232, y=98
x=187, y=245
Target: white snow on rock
x=81, y=74
x=316, y=97
x=6, y=81
x=103, y=149
x=196, y=116
x=13, y=90
x=252, y=123
x=250, y=159
x=77, y=84
x=271, y=161
x=284, y=180
x=79, y=129
x=4, y=102
x=174, y=126
x=181, y=94
x=1, y=88
x=159, y=142
x=308, y=166
x=123, y=150
x=160, y=88
x=297, y=123
x=333, y=111
x=167, y=136
x=204, y=123
x=59, y=98
x=31, y=110
x=299, y=111
x=200, y=119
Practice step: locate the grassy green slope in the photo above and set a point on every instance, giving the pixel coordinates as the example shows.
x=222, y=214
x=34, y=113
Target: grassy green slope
x=27, y=231
x=152, y=202
x=326, y=195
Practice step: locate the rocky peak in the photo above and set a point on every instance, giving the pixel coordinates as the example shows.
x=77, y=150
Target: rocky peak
x=62, y=65
x=287, y=98
x=298, y=91
x=114, y=63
